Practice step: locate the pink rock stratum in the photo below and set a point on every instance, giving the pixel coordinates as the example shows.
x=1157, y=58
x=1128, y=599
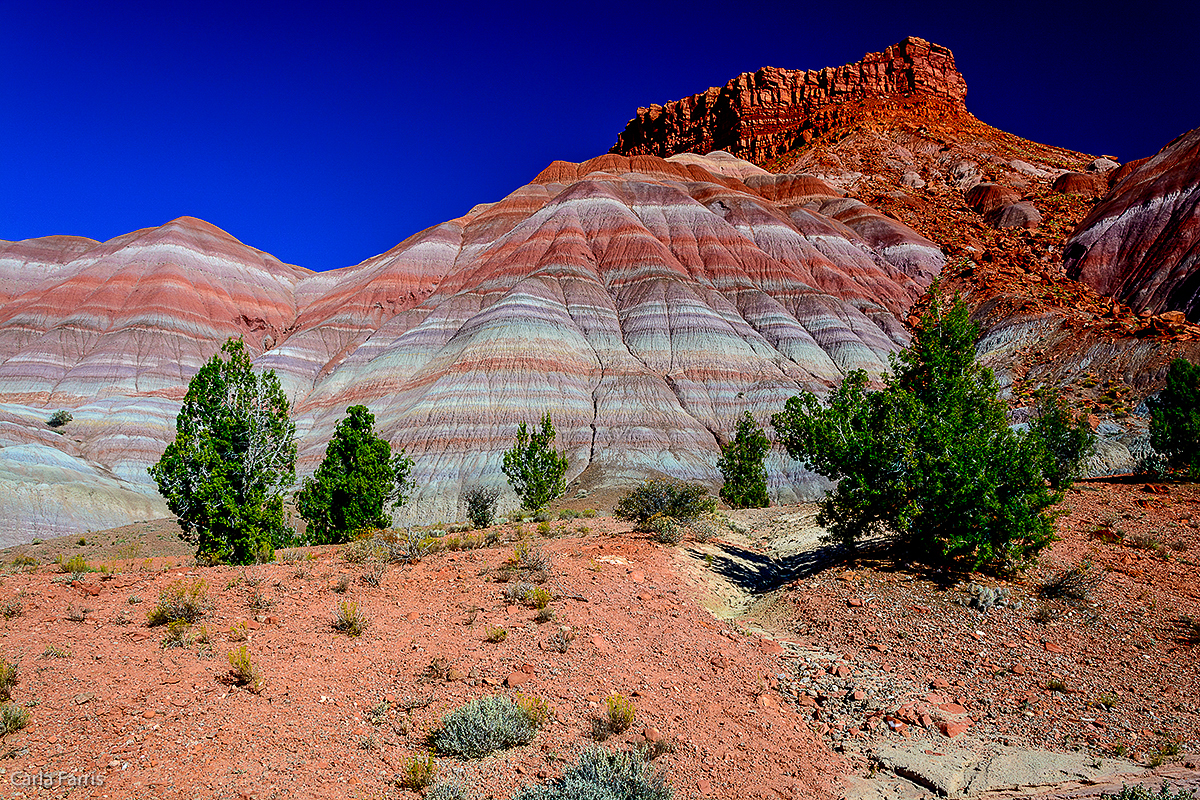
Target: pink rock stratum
x=645, y=303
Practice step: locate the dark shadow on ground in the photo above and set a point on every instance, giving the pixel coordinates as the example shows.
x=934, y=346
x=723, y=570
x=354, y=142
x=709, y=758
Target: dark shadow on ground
x=756, y=573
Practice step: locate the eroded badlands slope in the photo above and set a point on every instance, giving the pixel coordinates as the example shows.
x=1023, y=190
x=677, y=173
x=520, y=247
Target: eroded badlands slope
x=645, y=303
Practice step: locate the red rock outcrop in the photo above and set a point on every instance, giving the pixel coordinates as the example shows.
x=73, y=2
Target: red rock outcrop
x=757, y=116
x=1141, y=243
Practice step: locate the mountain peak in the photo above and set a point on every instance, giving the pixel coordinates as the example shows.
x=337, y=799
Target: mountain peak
x=759, y=115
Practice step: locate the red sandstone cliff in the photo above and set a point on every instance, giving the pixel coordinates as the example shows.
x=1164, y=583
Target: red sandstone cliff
x=760, y=115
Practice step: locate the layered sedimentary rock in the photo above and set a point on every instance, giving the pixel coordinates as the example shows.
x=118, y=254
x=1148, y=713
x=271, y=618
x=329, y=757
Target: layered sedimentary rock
x=760, y=115
x=645, y=303
x=1141, y=243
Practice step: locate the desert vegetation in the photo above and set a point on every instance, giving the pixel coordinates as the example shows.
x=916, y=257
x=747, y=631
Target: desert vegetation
x=929, y=461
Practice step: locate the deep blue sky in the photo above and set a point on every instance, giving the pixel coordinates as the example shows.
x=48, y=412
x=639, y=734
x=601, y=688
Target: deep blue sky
x=326, y=136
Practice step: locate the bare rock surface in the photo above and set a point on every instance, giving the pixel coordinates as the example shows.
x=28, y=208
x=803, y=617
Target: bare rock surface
x=1141, y=244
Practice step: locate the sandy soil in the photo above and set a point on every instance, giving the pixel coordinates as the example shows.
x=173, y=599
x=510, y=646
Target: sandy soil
x=769, y=667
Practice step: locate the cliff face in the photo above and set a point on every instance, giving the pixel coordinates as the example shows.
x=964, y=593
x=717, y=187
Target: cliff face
x=1141, y=243
x=758, y=116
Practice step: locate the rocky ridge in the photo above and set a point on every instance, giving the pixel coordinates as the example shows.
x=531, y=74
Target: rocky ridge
x=760, y=115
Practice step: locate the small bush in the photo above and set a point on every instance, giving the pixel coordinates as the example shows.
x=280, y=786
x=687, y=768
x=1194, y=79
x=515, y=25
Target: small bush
x=237, y=632
x=24, y=561
x=75, y=565
x=534, y=468
x=9, y=677
x=664, y=530
x=496, y=634
x=535, y=708
x=450, y=790
x=1175, y=418
x=602, y=774
x=12, y=718
x=373, y=574
x=59, y=418
x=673, y=499
x=349, y=619
x=418, y=772
x=484, y=726
x=1076, y=584
x=562, y=639
x=1138, y=792
x=545, y=614
x=177, y=634
x=741, y=464
x=243, y=671
x=182, y=600
x=1066, y=441
x=481, y=506
x=14, y=607
x=54, y=651
x=620, y=711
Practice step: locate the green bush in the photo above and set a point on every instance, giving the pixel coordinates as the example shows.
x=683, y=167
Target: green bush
x=666, y=498
x=1138, y=792
x=929, y=461
x=602, y=774
x=481, y=506
x=1175, y=418
x=357, y=484
x=9, y=677
x=534, y=468
x=1065, y=440
x=483, y=726
x=59, y=418
x=233, y=458
x=185, y=601
x=741, y=464
x=12, y=718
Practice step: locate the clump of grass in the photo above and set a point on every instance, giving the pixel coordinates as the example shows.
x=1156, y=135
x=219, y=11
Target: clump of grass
x=449, y=790
x=1056, y=685
x=12, y=718
x=545, y=614
x=258, y=601
x=10, y=676
x=77, y=614
x=562, y=639
x=243, y=671
x=535, y=708
x=14, y=607
x=496, y=634
x=418, y=772
x=1106, y=701
x=1164, y=753
x=483, y=726
x=375, y=570
x=182, y=600
x=237, y=632
x=75, y=565
x=602, y=774
x=177, y=634
x=1076, y=584
x=620, y=712
x=543, y=528
x=54, y=651
x=24, y=561
x=349, y=618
